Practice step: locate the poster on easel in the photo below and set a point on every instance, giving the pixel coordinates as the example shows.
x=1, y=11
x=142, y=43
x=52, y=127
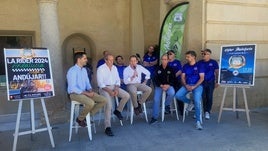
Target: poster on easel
x=237, y=65
x=28, y=74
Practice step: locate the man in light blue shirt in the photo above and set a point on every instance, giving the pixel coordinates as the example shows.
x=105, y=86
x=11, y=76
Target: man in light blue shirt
x=81, y=91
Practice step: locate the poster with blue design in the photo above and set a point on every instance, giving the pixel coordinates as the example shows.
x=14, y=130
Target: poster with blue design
x=237, y=65
x=28, y=74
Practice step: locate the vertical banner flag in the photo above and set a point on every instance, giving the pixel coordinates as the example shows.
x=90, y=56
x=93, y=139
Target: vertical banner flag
x=172, y=30
x=237, y=65
x=28, y=74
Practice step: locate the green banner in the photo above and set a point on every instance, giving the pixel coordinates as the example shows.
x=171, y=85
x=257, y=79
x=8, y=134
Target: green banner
x=171, y=35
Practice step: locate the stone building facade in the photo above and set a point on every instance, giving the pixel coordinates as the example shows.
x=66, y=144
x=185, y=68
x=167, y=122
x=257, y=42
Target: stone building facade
x=127, y=27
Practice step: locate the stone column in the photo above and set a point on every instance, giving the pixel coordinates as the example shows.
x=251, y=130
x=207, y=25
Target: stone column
x=137, y=31
x=50, y=38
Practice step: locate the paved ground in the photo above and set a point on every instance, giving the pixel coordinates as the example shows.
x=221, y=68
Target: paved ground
x=231, y=134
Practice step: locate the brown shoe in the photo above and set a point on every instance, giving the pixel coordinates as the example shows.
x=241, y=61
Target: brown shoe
x=137, y=110
x=81, y=123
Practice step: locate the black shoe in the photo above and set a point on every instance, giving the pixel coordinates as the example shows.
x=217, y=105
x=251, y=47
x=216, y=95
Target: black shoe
x=118, y=114
x=167, y=109
x=139, y=107
x=153, y=121
x=136, y=110
x=81, y=123
x=91, y=122
x=108, y=131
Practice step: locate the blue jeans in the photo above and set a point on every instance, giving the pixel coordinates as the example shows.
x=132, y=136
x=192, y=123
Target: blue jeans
x=197, y=94
x=157, y=99
x=208, y=89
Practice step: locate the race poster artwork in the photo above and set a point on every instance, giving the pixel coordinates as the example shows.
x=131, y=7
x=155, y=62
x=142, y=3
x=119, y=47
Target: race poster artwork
x=237, y=65
x=28, y=74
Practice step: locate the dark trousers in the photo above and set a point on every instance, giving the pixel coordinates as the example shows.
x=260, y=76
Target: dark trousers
x=179, y=103
x=207, y=96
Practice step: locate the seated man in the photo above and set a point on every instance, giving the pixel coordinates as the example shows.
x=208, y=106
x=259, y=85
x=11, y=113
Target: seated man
x=191, y=79
x=80, y=89
x=109, y=86
x=165, y=79
x=132, y=78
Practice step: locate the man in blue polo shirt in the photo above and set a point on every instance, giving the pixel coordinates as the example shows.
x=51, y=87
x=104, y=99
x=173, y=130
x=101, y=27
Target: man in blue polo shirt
x=211, y=69
x=150, y=61
x=191, y=79
x=176, y=65
x=120, y=68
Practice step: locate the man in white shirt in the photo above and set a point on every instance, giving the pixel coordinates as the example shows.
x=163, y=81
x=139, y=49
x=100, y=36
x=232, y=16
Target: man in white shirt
x=109, y=86
x=132, y=78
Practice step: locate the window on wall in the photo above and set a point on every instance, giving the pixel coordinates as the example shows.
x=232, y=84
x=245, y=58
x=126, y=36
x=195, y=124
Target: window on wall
x=12, y=41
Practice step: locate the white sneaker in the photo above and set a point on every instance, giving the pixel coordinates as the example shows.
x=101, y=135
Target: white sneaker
x=207, y=116
x=190, y=106
x=198, y=125
x=188, y=95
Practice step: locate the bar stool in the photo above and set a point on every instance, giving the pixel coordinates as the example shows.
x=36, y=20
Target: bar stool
x=171, y=109
x=185, y=112
x=139, y=93
x=117, y=103
x=74, y=113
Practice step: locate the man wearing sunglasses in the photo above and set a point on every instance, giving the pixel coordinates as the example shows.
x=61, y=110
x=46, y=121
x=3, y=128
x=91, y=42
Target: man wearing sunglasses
x=211, y=69
x=175, y=64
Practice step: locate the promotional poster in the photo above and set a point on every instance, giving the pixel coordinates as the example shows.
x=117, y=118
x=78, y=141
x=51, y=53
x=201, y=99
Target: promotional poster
x=28, y=74
x=237, y=65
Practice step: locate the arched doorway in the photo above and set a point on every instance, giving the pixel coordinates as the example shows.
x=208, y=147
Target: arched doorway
x=76, y=42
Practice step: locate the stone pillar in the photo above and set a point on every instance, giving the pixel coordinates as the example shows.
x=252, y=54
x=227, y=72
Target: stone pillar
x=50, y=38
x=137, y=31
